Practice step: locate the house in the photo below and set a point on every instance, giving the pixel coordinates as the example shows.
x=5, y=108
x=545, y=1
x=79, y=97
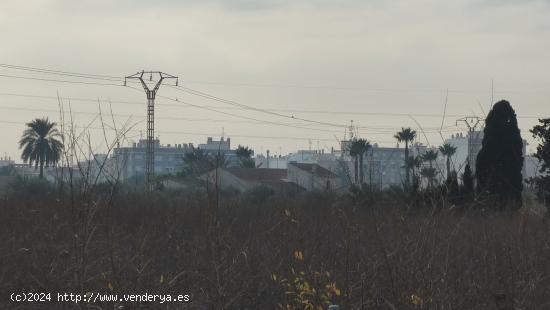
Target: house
x=243, y=179
x=313, y=177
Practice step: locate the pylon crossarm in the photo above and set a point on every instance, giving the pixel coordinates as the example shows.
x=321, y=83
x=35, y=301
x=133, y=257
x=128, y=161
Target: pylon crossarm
x=158, y=84
x=150, y=157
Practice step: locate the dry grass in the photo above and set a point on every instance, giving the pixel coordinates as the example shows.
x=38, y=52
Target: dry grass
x=292, y=252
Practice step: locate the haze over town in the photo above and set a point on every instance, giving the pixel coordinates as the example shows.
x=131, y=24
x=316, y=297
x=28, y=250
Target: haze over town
x=305, y=59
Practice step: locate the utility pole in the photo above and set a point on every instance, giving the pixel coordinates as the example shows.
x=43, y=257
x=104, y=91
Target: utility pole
x=471, y=122
x=151, y=94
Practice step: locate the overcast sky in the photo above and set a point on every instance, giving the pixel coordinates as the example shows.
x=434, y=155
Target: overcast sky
x=352, y=57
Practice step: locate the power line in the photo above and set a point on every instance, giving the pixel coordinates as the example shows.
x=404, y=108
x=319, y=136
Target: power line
x=238, y=116
x=110, y=84
x=372, y=130
x=265, y=85
x=120, y=79
x=72, y=98
x=236, y=108
x=356, y=89
x=234, y=103
x=140, y=103
x=211, y=134
x=97, y=83
x=166, y=117
x=109, y=78
x=58, y=81
x=64, y=73
x=326, y=87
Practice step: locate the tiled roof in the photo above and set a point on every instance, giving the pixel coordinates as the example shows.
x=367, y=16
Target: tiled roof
x=283, y=185
x=258, y=174
x=319, y=170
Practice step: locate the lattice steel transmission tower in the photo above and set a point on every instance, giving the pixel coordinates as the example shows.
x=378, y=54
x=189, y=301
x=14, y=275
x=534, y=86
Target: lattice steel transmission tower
x=471, y=122
x=151, y=94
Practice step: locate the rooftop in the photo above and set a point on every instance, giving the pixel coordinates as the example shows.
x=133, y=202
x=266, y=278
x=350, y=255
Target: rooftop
x=315, y=169
x=260, y=175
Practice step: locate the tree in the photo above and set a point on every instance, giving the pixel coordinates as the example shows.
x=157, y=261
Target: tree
x=500, y=160
x=430, y=156
x=41, y=144
x=198, y=162
x=468, y=183
x=448, y=151
x=413, y=163
x=452, y=187
x=430, y=172
x=541, y=133
x=354, y=151
x=362, y=146
x=244, y=155
x=406, y=135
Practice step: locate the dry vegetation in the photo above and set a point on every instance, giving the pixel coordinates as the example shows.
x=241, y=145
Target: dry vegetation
x=255, y=252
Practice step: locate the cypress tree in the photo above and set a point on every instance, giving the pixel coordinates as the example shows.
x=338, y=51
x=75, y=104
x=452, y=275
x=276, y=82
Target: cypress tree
x=468, y=180
x=452, y=188
x=467, y=183
x=500, y=160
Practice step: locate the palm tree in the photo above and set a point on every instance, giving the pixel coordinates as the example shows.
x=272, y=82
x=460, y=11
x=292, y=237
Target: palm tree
x=429, y=173
x=243, y=152
x=413, y=163
x=354, y=150
x=199, y=161
x=406, y=135
x=244, y=155
x=362, y=147
x=41, y=145
x=430, y=156
x=448, y=151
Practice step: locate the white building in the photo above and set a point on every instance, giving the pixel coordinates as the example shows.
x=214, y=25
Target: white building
x=385, y=166
x=212, y=145
x=269, y=161
x=460, y=158
x=460, y=141
x=130, y=161
x=326, y=160
x=6, y=161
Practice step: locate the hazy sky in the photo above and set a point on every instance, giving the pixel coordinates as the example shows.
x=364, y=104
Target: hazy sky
x=388, y=58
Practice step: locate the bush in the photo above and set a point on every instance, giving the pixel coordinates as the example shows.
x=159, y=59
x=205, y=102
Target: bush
x=313, y=249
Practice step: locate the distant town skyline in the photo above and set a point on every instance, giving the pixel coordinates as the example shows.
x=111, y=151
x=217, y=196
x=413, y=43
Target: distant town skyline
x=310, y=64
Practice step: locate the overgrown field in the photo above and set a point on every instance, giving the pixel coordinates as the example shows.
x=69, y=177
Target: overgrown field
x=256, y=251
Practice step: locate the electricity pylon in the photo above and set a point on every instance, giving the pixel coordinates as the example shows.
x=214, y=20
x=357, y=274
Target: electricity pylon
x=151, y=94
x=471, y=122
